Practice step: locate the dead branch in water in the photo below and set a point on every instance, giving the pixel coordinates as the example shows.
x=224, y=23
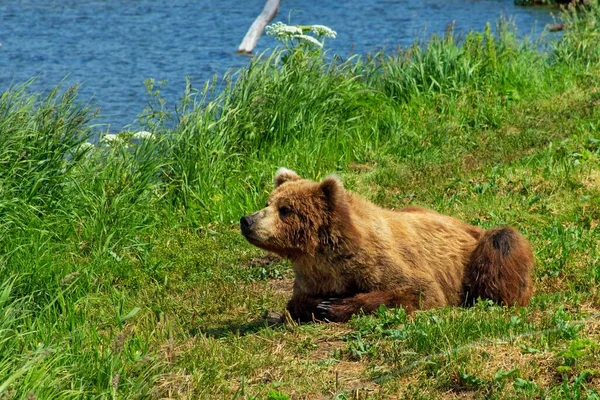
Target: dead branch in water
x=268, y=13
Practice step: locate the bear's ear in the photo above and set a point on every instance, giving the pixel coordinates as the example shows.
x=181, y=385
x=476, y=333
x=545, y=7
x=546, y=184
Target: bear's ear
x=283, y=175
x=333, y=189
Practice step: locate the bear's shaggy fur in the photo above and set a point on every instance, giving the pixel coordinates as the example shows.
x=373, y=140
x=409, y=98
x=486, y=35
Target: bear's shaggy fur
x=350, y=255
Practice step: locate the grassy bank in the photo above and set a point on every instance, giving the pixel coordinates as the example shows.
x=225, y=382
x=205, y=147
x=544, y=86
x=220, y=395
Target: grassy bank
x=122, y=272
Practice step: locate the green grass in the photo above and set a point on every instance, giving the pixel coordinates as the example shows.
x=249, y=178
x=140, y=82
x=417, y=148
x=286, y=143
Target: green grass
x=123, y=275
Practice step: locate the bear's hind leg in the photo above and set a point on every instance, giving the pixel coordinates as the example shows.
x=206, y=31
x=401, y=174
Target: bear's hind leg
x=341, y=310
x=500, y=269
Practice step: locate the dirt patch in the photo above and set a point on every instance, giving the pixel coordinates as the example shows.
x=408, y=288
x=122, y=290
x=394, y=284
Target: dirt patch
x=281, y=287
x=327, y=349
x=592, y=181
x=265, y=260
x=362, y=168
x=353, y=377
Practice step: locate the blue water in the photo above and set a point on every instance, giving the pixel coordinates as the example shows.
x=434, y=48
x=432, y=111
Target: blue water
x=112, y=46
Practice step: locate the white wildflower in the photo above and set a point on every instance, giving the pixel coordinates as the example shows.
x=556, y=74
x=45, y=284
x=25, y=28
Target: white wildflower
x=324, y=31
x=109, y=137
x=308, y=39
x=143, y=135
x=281, y=30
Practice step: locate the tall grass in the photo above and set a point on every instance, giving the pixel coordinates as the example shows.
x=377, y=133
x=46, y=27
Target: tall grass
x=85, y=298
x=322, y=113
x=291, y=107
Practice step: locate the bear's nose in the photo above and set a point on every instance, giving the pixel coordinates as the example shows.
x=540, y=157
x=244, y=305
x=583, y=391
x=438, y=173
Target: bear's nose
x=246, y=222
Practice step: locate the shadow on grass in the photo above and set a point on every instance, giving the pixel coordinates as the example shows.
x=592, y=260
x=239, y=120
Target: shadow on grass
x=235, y=328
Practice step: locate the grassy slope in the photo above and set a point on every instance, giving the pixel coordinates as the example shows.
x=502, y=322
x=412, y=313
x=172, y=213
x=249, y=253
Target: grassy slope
x=550, y=189
x=124, y=274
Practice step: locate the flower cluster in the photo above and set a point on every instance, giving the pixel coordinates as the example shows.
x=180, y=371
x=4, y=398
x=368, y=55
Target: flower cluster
x=116, y=140
x=280, y=29
x=300, y=32
x=308, y=39
x=323, y=31
x=143, y=135
x=109, y=137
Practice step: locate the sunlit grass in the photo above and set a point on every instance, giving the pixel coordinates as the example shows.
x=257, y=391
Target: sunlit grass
x=123, y=275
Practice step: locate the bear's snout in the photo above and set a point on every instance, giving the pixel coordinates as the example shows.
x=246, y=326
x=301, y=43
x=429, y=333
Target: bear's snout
x=246, y=223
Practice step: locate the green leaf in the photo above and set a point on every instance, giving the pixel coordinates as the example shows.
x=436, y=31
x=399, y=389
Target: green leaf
x=130, y=314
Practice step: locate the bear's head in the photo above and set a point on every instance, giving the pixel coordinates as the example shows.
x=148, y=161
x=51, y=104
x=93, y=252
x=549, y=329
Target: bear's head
x=301, y=217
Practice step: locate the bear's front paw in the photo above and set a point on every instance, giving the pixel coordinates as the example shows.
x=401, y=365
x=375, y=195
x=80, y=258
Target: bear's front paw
x=334, y=309
x=324, y=308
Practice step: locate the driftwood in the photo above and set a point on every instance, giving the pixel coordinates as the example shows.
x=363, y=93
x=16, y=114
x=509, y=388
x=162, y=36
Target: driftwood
x=256, y=29
x=556, y=27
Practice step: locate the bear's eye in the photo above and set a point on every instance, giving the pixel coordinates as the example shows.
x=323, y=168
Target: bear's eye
x=284, y=212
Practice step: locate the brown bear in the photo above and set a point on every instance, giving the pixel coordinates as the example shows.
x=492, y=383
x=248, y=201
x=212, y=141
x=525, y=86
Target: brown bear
x=349, y=254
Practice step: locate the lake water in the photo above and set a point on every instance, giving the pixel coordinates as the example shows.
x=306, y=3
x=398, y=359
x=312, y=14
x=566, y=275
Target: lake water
x=112, y=46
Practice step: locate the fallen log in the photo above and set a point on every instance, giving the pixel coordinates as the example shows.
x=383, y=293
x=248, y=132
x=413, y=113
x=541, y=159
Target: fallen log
x=256, y=29
x=556, y=27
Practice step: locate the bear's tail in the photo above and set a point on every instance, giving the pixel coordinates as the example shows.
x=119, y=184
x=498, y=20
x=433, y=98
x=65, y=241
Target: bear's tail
x=500, y=269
